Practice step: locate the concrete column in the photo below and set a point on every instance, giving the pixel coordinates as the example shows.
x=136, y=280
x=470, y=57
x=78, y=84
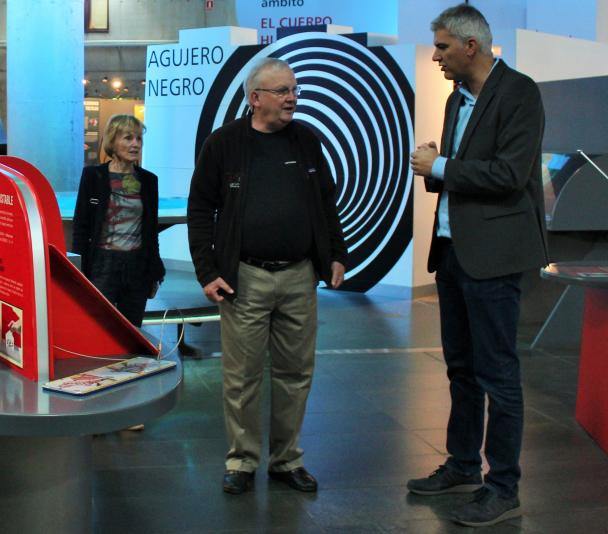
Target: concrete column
x=601, y=21
x=45, y=67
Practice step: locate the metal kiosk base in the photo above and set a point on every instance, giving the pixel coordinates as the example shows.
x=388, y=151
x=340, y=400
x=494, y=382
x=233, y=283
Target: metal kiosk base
x=46, y=450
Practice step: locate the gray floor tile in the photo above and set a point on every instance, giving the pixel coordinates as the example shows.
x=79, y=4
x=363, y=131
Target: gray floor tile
x=376, y=417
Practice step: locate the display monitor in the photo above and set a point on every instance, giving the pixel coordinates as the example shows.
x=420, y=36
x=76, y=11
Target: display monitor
x=557, y=169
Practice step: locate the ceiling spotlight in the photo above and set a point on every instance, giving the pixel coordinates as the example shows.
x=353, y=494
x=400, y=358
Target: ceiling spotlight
x=85, y=81
x=116, y=83
x=142, y=82
x=104, y=79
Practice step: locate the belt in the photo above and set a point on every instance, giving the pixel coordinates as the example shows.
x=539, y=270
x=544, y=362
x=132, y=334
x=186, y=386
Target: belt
x=269, y=265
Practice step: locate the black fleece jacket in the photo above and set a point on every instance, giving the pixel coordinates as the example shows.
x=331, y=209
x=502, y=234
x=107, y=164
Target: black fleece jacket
x=91, y=207
x=217, y=198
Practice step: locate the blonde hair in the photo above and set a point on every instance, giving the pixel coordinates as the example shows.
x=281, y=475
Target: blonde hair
x=116, y=125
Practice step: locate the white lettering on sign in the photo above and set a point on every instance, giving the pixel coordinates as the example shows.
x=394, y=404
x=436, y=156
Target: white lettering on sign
x=6, y=199
x=282, y=3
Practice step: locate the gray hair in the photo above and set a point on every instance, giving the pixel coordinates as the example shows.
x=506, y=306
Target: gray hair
x=253, y=78
x=463, y=22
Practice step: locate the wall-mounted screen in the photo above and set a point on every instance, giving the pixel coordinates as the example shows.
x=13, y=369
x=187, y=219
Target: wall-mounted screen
x=557, y=170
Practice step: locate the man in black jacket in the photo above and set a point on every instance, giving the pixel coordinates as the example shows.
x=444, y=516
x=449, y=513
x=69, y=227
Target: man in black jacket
x=489, y=228
x=263, y=228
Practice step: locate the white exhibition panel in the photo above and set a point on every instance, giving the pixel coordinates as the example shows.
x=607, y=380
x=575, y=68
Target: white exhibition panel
x=546, y=57
x=358, y=99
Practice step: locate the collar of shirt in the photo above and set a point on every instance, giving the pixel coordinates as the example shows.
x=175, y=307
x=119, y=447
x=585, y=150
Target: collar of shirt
x=469, y=99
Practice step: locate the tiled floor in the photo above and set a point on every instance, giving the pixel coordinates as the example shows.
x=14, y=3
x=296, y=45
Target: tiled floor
x=376, y=417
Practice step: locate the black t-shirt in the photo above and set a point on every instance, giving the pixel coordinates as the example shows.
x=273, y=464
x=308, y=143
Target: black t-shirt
x=276, y=224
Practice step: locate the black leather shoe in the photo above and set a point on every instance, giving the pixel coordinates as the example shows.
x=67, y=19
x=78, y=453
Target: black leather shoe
x=298, y=479
x=236, y=482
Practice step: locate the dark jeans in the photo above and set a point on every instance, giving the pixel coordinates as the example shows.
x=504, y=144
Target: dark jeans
x=478, y=334
x=120, y=276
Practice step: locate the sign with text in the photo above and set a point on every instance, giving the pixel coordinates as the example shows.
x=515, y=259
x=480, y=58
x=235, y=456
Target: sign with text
x=267, y=16
x=17, y=291
x=178, y=78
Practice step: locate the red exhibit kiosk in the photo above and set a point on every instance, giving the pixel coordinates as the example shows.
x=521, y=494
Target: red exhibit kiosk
x=592, y=389
x=48, y=309
x=51, y=316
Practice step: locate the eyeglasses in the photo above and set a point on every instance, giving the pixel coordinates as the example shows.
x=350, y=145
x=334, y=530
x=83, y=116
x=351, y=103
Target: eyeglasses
x=282, y=92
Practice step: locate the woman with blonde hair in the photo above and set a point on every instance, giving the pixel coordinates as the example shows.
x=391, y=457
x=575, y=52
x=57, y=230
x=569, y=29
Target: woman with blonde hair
x=116, y=222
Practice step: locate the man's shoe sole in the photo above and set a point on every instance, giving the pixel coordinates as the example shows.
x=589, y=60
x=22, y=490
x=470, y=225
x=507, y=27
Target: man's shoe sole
x=509, y=514
x=277, y=476
x=249, y=486
x=231, y=491
x=462, y=488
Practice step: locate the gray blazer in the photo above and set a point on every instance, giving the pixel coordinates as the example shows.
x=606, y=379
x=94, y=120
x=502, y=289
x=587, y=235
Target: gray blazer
x=494, y=183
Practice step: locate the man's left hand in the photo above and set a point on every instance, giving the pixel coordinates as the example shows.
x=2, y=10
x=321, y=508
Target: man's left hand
x=337, y=274
x=423, y=158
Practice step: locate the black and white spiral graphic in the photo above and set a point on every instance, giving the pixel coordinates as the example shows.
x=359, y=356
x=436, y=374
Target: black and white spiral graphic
x=361, y=105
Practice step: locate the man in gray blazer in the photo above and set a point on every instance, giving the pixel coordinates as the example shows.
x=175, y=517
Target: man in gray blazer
x=489, y=228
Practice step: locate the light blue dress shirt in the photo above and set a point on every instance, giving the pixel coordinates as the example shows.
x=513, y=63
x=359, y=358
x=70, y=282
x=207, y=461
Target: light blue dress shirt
x=438, y=169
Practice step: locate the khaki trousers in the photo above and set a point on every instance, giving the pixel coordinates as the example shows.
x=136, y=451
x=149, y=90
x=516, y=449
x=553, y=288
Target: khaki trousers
x=274, y=313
